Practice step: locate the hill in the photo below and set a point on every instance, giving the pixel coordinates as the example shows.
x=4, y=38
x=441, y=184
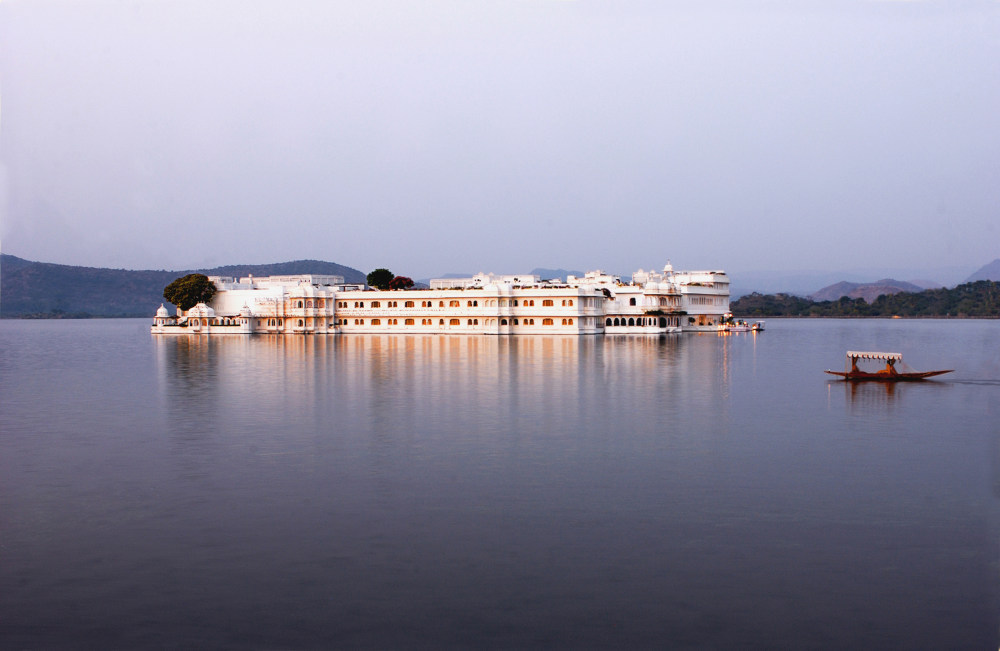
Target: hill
x=986, y=272
x=548, y=274
x=44, y=290
x=978, y=299
x=867, y=291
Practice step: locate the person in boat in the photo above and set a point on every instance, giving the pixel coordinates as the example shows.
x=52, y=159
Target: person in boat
x=890, y=368
x=854, y=365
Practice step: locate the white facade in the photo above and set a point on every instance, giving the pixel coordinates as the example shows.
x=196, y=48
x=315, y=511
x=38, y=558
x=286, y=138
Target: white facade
x=598, y=303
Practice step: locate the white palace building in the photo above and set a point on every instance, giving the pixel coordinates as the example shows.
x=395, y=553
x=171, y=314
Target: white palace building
x=654, y=302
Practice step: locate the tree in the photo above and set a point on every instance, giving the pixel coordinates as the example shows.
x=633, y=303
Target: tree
x=401, y=282
x=380, y=278
x=190, y=290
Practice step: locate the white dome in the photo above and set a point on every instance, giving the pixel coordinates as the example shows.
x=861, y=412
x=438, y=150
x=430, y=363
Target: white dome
x=245, y=311
x=162, y=312
x=201, y=310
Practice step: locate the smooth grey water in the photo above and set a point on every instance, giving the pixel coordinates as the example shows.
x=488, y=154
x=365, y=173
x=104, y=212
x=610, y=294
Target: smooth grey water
x=698, y=491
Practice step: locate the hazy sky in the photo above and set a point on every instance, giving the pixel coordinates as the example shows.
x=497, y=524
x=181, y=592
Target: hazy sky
x=500, y=136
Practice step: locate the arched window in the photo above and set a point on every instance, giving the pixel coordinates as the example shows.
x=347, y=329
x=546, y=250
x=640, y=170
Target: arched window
x=440, y=303
x=408, y=304
x=515, y=321
x=376, y=321
x=547, y=322
x=374, y=304
x=631, y=322
x=607, y=322
x=547, y=302
x=569, y=321
x=631, y=301
x=454, y=322
x=300, y=304
x=408, y=322
x=503, y=321
x=301, y=323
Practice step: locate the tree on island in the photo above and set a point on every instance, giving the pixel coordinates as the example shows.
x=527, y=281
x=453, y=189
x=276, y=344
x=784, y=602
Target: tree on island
x=190, y=290
x=380, y=278
x=401, y=282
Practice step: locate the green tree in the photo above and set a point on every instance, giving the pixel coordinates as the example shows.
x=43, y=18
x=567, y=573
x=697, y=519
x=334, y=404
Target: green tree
x=380, y=278
x=401, y=282
x=190, y=290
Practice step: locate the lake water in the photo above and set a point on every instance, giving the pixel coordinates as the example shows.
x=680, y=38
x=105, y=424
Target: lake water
x=693, y=492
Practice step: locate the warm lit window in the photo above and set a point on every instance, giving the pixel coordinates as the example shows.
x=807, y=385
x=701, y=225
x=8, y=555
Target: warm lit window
x=454, y=303
x=454, y=322
x=376, y=321
x=547, y=303
x=408, y=322
x=546, y=321
x=408, y=304
x=375, y=304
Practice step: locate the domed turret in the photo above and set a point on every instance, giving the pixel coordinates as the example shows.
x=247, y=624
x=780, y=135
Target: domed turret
x=162, y=312
x=201, y=310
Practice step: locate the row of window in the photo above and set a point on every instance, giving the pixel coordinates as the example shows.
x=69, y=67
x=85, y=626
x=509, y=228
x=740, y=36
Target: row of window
x=451, y=322
x=319, y=303
x=642, y=321
x=548, y=302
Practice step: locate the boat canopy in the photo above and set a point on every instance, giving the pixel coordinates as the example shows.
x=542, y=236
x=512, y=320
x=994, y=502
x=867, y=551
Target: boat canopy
x=869, y=355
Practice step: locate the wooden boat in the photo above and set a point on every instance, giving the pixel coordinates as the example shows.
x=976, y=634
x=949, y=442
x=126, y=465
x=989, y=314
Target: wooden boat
x=887, y=374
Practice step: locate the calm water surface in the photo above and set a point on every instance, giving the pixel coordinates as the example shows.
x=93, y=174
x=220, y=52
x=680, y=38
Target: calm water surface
x=695, y=491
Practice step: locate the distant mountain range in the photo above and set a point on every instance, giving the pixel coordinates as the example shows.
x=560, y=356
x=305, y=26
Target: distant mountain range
x=990, y=271
x=867, y=291
x=44, y=290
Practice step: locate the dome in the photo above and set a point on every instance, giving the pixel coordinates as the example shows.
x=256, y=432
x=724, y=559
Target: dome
x=245, y=311
x=201, y=310
x=162, y=312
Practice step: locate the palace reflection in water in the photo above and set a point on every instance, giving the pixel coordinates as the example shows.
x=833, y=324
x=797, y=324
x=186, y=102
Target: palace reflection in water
x=387, y=491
